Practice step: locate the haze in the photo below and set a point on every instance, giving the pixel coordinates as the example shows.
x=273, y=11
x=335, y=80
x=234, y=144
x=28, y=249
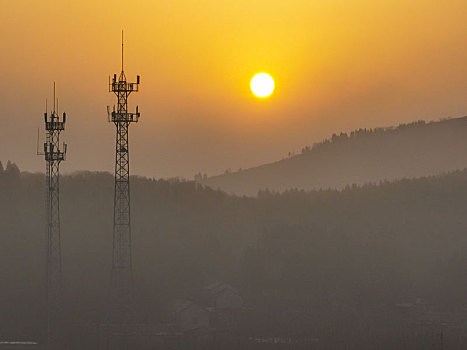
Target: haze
x=337, y=66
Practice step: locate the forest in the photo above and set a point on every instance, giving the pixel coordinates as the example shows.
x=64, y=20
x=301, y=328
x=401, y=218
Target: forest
x=305, y=262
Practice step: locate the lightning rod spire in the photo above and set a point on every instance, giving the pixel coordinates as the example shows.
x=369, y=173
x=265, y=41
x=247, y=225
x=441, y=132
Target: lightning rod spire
x=122, y=50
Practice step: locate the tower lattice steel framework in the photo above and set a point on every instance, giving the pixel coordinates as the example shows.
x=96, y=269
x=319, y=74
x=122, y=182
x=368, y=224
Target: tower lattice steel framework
x=121, y=294
x=54, y=155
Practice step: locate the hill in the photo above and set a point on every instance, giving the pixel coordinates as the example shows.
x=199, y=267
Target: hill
x=363, y=156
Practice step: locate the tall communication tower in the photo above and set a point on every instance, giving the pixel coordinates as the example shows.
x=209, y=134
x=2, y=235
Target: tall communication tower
x=121, y=295
x=54, y=155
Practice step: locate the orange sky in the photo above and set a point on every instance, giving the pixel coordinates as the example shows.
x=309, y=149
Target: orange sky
x=337, y=65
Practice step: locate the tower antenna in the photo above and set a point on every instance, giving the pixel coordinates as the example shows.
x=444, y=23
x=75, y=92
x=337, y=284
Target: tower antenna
x=122, y=50
x=121, y=303
x=54, y=96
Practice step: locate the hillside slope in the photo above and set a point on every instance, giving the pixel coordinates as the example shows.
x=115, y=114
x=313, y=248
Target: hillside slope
x=406, y=151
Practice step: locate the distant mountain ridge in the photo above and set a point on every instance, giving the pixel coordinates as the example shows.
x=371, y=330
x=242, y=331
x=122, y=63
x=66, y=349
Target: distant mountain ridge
x=365, y=155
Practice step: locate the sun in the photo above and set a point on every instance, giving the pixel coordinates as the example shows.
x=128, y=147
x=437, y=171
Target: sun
x=262, y=85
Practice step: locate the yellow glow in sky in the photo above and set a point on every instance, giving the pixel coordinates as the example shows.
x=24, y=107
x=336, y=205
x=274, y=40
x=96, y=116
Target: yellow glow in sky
x=340, y=65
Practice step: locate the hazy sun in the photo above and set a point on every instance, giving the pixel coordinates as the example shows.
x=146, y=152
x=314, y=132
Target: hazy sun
x=262, y=85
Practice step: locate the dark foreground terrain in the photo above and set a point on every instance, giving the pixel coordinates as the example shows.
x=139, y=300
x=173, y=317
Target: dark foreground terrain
x=372, y=267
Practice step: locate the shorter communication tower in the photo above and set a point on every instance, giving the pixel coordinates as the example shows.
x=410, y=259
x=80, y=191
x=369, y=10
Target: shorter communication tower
x=54, y=155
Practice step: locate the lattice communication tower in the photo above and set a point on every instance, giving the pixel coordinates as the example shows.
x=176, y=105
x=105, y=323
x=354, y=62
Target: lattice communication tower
x=121, y=308
x=54, y=155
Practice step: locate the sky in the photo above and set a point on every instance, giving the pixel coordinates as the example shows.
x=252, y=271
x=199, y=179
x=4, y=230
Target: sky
x=338, y=65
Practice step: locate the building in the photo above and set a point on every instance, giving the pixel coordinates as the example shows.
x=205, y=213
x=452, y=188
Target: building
x=188, y=316
x=224, y=304
x=222, y=296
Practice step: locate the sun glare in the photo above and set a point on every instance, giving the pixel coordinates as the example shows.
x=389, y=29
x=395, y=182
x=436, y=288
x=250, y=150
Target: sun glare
x=262, y=85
